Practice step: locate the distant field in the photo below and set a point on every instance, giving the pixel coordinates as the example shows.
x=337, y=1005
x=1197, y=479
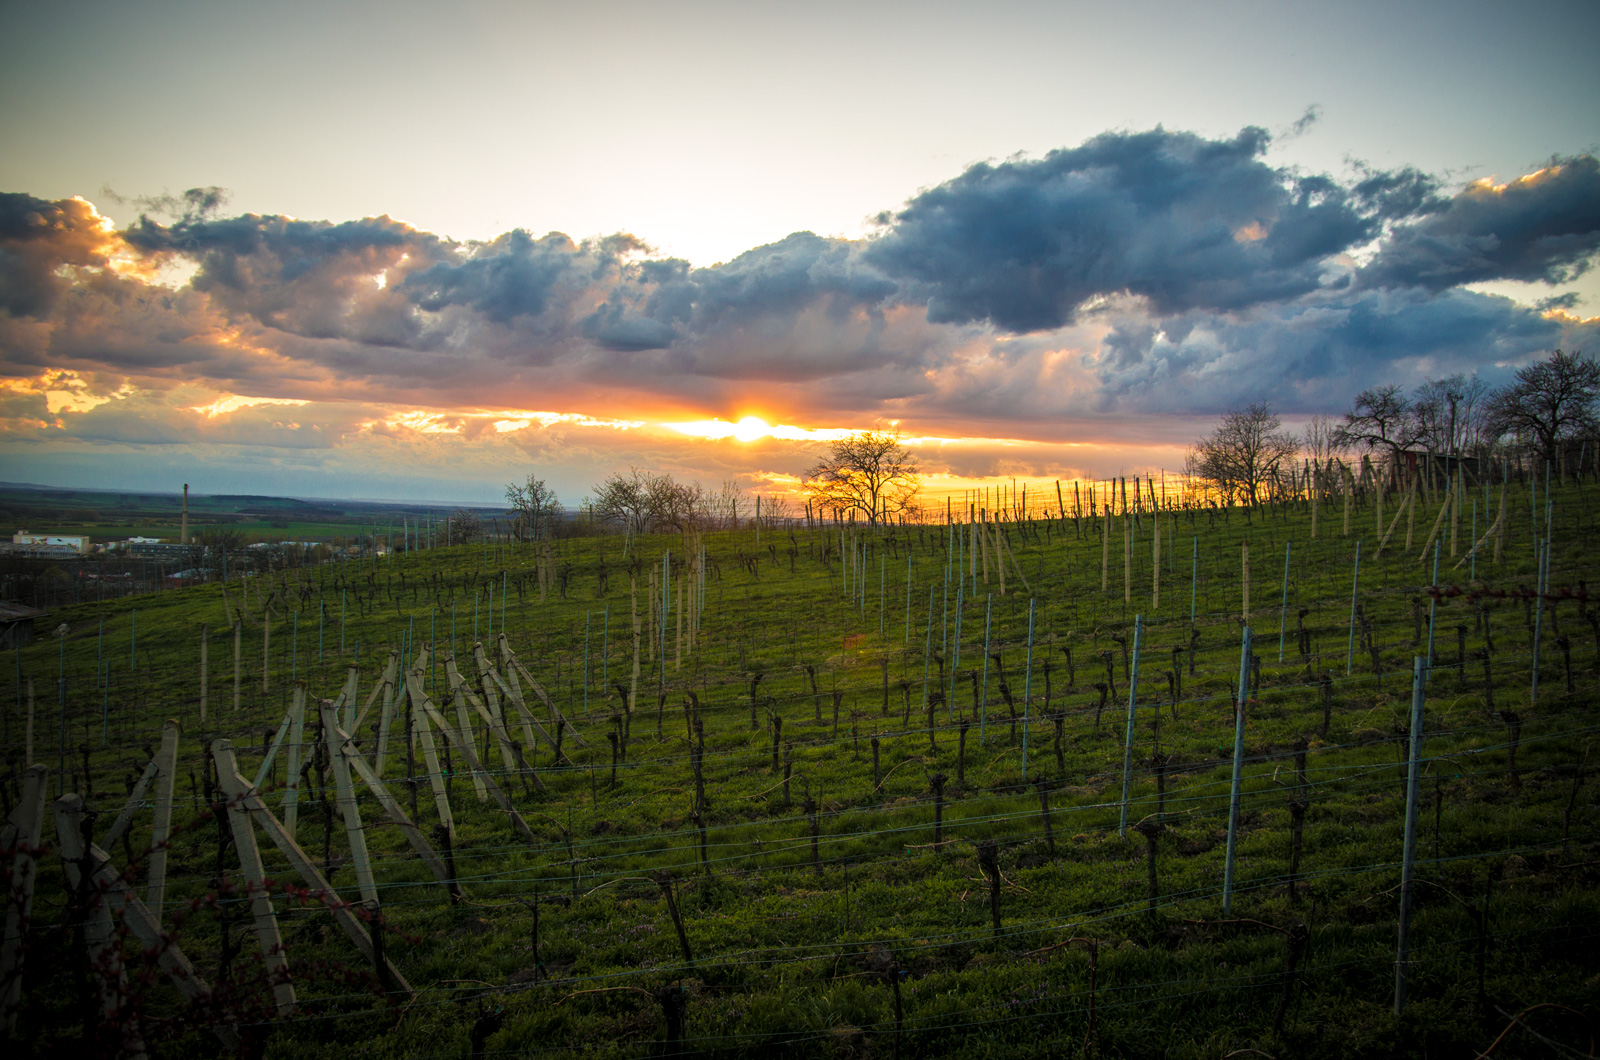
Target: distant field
x=112, y=516
x=293, y=531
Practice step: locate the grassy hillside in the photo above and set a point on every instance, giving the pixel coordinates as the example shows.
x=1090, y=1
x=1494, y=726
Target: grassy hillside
x=820, y=914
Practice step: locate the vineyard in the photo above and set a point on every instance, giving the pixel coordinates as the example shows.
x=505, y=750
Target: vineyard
x=1302, y=780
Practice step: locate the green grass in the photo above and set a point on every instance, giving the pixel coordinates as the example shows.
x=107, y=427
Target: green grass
x=784, y=949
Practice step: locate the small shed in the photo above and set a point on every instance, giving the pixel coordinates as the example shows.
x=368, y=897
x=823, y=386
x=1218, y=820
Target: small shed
x=16, y=623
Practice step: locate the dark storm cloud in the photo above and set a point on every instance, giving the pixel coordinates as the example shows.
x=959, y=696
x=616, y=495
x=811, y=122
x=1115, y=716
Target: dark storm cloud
x=1544, y=227
x=1139, y=272
x=1313, y=355
x=37, y=238
x=307, y=278
x=1183, y=221
x=514, y=276
x=658, y=303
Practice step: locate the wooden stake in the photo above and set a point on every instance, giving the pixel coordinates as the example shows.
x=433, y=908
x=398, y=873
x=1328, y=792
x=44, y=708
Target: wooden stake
x=266, y=652
x=22, y=834
x=297, y=730
x=203, y=671
x=633, y=602
x=419, y=724
x=391, y=806
x=105, y=949
x=161, y=829
x=1105, y=553
x=464, y=748
x=348, y=809
x=1244, y=565
x=387, y=688
x=242, y=795
x=457, y=685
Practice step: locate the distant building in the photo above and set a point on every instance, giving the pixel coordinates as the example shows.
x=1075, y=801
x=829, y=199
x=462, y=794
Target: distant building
x=26, y=540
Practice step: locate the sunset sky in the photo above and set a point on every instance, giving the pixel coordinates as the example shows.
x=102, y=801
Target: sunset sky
x=416, y=251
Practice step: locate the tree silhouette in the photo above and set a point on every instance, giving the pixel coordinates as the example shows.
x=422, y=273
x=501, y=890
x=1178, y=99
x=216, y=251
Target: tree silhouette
x=868, y=472
x=1551, y=401
x=1243, y=452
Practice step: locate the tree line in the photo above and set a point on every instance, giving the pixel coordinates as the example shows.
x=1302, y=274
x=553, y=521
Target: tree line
x=1548, y=407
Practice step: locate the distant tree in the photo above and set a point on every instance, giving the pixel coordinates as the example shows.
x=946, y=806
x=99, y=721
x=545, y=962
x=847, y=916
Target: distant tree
x=1320, y=438
x=463, y=527
x=537, y=508
x=1242, y=454
x=1448, y=413
x=868, y=472
x=1381, y=417
x=641, y=501
x=1551, y=401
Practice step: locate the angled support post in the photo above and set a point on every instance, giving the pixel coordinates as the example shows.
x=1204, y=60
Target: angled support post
x=22, y=834
x=251, y=808
x=105, y=950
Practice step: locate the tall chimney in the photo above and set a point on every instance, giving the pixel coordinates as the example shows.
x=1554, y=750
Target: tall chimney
x=183, y=533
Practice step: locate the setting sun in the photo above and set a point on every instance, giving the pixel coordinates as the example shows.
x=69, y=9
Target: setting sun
x=750, y=428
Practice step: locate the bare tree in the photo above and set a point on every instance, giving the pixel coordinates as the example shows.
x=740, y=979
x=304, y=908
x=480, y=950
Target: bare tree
x=464, y=525
x=537, y=508
x=642, y=500
x=1551, y=401
x=868, y=472
x=1448, y=412
x=1320, y=438
x=1241, y=455
x=1381, y=417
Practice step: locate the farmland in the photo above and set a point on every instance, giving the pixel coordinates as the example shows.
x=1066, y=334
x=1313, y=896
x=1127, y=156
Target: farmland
x=858, y=796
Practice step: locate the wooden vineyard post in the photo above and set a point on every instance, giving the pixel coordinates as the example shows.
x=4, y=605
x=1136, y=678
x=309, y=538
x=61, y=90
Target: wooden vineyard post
x=633, y=603
x=348, y=809
x=348, y=696
x=1500, y=538
x=1346, y=480
x=142, y=924
x=511, y=686
x=463, y=719
x=1244, y=568
x=297, y=726
x=244, y=808
x=380, y=756
x=161, y=830
x=1238, y=771
x=1313, y=483
x=203, y=672
x=1355, y=589
x=1105, y=553
x=1127, y=558
x=1419, y=667
x=421, y=702
x=1155, y=564
x=491, y=696
x=1127, y=746
x=238, y=665
x=105, y=949
x=391, y=806
x=430, y=757
x=22, y=834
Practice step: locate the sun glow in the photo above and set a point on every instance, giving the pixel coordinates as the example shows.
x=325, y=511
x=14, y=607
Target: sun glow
x=754, y=428
x=223, y=406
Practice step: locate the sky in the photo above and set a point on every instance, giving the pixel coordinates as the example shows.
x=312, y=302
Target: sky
x=419, y=251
